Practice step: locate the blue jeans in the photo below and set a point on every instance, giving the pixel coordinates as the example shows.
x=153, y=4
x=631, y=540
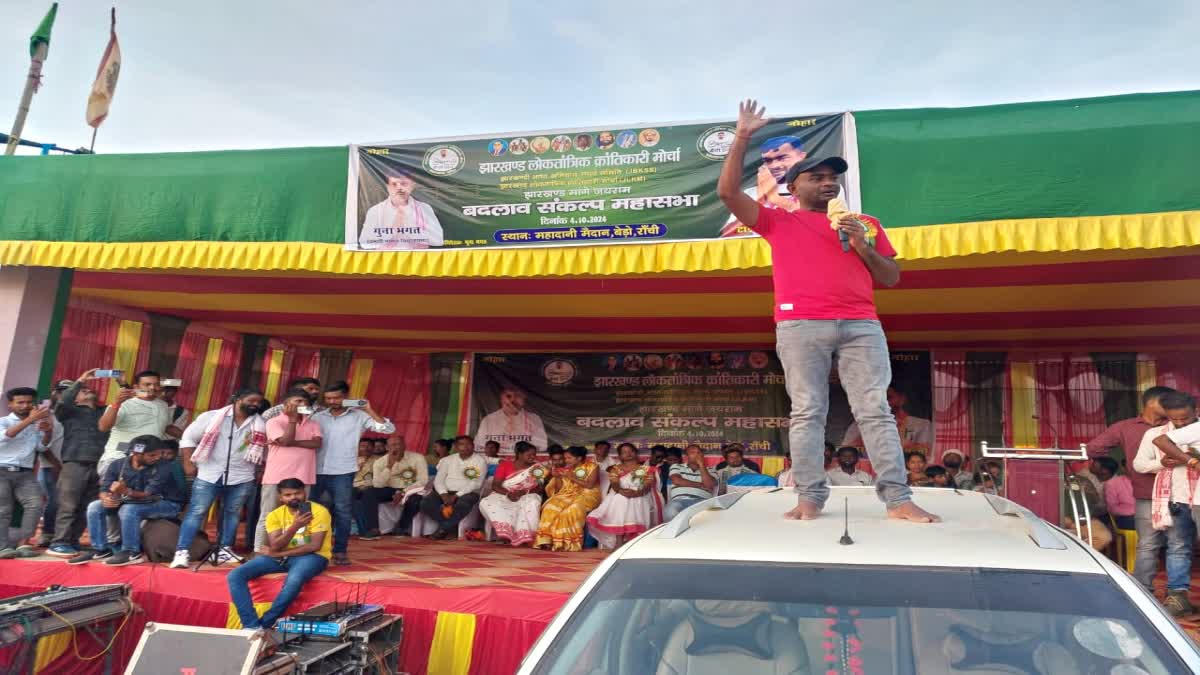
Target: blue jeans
x=48, y=477
x=677, y=505
x=299, y=570
x=204, y=493
x=808, y=350
x=341, y=487
x=1181, y=537
x=131, y=517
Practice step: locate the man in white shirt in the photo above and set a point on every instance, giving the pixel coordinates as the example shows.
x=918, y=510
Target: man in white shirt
x=916, y=433
x=337, y=460
x=24, y=433
x=847, y=473
x=400, y=222
x=1175, y=496
x=457, y=484
x=227, y=471
x=138, y=411
x=391, y=477
x=511, y=423
x=491, y=452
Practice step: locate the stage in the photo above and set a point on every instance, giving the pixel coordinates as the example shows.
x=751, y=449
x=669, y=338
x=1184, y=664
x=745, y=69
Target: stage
x=468, y=607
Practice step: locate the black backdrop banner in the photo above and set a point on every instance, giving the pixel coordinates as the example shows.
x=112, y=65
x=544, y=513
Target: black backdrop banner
x=673, y=399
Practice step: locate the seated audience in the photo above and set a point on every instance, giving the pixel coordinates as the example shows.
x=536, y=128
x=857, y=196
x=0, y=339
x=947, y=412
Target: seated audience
x=557, y=462
x=455, y=488
x=513, y=508
x=491, y=452
x=134, y=488
x=734, y=464
x=691, y=482
x=1118, y=492
x=392, y=478
x=602, y=456
x=786, y=479
x=674, y=456
x=938, y=477
x=847, y=473
x=658, y=455
x=740, y=450
x=299, y=542
x=441, y=450
x=915, y=462
x=953, y=461
x=632, y=503
x=576, y=494
x=363, y=480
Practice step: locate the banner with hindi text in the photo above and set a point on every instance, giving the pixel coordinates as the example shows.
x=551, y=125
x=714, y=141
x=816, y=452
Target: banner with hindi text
x=708, y=398
x=645, y=183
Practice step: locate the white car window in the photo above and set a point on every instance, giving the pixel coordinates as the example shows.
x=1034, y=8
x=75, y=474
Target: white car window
x=672, y=618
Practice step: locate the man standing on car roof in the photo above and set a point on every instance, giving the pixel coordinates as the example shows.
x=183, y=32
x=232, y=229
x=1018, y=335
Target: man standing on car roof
x=825, y=307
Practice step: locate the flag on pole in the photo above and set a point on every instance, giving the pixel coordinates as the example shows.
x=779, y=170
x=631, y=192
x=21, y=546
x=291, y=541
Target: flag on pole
x=39, y=46
x=42, y=34
x=106, y=79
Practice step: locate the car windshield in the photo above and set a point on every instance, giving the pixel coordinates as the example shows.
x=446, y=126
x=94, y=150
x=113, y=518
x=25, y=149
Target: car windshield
x=652, y=617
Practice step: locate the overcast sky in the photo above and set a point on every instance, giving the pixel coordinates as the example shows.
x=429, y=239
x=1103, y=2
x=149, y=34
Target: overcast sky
x=267, y=73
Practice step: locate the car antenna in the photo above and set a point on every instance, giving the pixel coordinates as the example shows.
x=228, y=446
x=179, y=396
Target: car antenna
x=846, y=540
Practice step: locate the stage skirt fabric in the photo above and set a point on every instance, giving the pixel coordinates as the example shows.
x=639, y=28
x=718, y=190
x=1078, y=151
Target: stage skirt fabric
x=619, y=516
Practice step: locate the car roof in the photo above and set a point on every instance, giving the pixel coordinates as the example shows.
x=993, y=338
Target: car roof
x=973, y=533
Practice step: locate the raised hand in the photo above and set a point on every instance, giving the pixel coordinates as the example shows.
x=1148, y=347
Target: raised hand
x=751, y=117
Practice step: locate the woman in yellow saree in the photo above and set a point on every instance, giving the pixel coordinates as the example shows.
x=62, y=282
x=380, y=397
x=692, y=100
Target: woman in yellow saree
x=564, y=514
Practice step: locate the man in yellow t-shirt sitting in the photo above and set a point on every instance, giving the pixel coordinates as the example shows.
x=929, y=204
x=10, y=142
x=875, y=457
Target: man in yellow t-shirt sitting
x=299, y=542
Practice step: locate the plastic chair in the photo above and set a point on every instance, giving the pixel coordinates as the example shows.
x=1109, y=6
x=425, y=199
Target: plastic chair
x=422, y=526
x=1127, y=548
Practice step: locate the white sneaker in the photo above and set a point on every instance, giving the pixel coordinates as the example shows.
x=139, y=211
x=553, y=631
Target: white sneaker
x=181, y=560
x=226, y=555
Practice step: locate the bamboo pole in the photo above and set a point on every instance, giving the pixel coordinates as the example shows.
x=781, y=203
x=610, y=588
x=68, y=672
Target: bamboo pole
x=31, y=84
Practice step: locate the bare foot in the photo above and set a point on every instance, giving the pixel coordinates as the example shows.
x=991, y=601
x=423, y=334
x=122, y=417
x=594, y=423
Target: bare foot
x=911, y=512
x=803, y=511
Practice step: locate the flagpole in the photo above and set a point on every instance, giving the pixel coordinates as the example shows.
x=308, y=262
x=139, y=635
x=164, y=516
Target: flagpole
x=92, y=149
x=31, y=84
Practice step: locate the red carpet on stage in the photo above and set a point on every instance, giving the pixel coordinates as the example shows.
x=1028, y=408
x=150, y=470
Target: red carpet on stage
x=510, y=593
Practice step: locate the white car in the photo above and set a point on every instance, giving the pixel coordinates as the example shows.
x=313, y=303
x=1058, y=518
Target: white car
x=731, y=587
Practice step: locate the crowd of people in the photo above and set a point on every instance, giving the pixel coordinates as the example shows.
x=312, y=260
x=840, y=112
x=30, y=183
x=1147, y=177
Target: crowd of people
x=303, y=476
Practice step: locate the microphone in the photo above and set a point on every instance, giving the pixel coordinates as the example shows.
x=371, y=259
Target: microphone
x=845, y=239
x=835, y=210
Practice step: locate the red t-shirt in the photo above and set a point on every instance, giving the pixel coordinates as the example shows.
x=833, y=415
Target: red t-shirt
x=814, y=278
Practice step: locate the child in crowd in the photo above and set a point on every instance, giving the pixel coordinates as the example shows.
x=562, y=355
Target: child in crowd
x=938, y=477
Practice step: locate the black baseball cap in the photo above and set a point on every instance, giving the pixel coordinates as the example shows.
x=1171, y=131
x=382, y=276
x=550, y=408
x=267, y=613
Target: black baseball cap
x=834, y=162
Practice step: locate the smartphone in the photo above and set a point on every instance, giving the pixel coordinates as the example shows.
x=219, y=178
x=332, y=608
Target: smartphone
x=354, y=403
x=172, y=383
x=46, y=403
x=114, y=374
x=304, y=410
x=305, y=507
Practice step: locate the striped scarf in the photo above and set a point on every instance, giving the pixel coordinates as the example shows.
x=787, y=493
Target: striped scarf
x=254, y=448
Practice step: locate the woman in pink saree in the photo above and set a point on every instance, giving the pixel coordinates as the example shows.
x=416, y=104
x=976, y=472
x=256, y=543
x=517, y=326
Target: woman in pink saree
x=632, y=504
x=513, y=508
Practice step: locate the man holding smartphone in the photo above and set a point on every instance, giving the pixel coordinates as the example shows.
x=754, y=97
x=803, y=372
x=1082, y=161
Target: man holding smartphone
x=298, y=543
x=293, y=440
x=78, y=480
x=337, y=460
x=23, y=431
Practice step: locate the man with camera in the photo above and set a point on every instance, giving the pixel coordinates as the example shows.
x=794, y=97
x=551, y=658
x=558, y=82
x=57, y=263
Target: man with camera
x=294, y=439
x=298, y=543
x=342, y=425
